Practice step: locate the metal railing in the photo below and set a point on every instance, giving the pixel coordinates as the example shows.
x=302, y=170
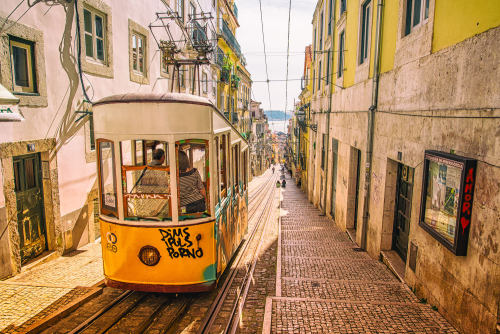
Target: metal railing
x=230, y=39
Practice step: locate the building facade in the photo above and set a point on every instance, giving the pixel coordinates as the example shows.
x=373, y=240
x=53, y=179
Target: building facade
x=234, y=81
x=405, y=100
x=48, y=189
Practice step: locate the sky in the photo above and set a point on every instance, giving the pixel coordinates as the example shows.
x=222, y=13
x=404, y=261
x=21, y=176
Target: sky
x=249, y=35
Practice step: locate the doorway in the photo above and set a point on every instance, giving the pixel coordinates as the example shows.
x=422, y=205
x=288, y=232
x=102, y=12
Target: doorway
x=402, y=212
x=357, y=156
x=29, y=202
x=335, y=158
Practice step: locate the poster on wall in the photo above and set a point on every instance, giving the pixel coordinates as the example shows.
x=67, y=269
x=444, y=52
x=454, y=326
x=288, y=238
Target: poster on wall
x=448, y=189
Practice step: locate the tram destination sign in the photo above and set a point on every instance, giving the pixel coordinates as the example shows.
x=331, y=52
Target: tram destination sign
x=447, y=197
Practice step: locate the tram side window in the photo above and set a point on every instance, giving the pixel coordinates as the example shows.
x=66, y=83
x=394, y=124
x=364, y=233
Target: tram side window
x=223, y=163
x=245, y=170
x=193, y=180
x=146, y=180
x=236, y=168
x=217, y=157
x=107, y=180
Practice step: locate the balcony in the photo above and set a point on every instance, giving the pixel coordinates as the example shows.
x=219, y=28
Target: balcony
x=230, y=39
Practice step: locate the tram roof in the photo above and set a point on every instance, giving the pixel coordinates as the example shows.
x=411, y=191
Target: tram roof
x=155, y=97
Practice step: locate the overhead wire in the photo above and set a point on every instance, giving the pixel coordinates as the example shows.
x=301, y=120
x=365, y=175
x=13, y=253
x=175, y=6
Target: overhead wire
x=287, y=58
x=265, y=54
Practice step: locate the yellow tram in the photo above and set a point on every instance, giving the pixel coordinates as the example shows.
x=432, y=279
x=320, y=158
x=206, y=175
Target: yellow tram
x=152, y=238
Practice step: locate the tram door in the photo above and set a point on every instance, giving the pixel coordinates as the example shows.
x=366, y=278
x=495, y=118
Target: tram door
x=404, y=190
x=29, y=200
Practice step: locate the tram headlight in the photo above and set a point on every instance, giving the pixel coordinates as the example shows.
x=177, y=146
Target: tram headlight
x=149, y=255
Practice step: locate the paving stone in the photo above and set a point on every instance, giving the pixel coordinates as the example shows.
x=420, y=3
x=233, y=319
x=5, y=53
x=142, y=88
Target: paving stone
x=313, y=316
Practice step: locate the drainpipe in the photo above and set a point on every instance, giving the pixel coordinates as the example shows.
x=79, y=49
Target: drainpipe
x=330, y=54
x=371, y=121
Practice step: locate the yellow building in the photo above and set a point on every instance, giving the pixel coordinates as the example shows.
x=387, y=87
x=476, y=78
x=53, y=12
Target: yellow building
x=393, y=82
x=234, y=80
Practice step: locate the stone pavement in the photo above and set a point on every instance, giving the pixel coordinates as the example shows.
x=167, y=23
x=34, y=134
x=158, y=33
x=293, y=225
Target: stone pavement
x=32, y=295
x=326, y=284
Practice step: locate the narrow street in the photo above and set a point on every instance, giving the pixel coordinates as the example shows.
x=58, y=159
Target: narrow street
x=309, y=278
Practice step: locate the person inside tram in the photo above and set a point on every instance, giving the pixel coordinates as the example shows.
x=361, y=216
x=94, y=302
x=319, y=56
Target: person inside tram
x=158, y=158
x=191, y=188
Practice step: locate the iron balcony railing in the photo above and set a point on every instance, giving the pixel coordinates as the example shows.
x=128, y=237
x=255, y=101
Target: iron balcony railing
x=230, y=39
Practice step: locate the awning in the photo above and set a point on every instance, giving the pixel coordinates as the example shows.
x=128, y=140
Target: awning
x=9, y=106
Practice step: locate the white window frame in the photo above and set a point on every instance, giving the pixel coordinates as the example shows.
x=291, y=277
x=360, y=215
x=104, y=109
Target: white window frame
x=423, y=15
x=205, y=82
x=341, y=53
x=93, y=14
x=365, y=36
x=138, y=37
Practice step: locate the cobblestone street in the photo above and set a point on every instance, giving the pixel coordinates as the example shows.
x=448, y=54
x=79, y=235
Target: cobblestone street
x=36, y=293
x=325, y=284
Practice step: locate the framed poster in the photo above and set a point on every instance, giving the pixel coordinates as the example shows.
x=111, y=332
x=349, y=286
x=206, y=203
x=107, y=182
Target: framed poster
x=447, y=195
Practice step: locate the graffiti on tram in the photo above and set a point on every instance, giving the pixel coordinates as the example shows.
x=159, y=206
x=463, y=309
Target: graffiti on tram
x=179, y=244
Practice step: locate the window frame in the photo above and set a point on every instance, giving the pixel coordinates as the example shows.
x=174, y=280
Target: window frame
x=105, y=210
x=208, y=210
x=93, y=13
x=365, y=31
x=205, y=83
x=341, y=57
x=138, y=37
x=343, y=7
x=29, y=47
x=409, y=13
x=140, y=165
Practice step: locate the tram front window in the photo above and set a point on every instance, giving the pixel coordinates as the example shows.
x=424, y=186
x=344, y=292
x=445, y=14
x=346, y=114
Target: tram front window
x=146, y=180
x=193, y=178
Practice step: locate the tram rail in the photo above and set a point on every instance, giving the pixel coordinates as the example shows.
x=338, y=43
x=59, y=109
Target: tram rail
x=163, y=310
x=242, y=290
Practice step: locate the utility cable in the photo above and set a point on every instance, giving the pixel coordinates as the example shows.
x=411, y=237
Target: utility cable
x=265, y=54
x=287, y=57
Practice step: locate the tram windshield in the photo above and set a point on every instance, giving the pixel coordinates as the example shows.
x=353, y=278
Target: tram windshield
x=146, y=180
x=193, y=180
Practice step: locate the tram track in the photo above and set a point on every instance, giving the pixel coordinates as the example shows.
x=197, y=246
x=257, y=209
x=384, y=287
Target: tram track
x=139, y=312
x=241, y=290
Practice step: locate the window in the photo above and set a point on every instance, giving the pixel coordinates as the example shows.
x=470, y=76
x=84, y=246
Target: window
x=314, y=44
x=107, y=179
x=415, y=14
x=340, y=69
x=319, y=76
x=94, y=26
x=321, y=32
x=180, y=9
x=181, y=76
x=205, y=83
x=23, y=65
x=222, y=166
x=236, y=168
x=328, y=68
x=323, y=152
x=138, y=50
x=146, y=180
x=164, y=64
x=343, y=6
x=193, y=178
x=192, y=11
x=330, y=17
x=365, y=32
x=313, y=81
